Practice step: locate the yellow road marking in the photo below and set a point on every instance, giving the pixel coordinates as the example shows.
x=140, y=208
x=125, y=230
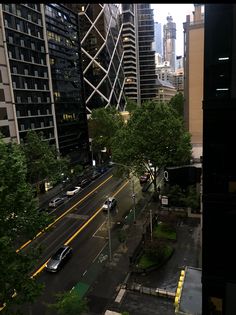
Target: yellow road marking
x=80, y=229
x=61, y=216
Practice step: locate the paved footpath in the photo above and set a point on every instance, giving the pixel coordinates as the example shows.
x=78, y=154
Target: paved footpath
x=103, y=292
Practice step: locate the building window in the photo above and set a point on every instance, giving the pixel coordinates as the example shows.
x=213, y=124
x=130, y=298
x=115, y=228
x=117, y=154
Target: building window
x=18, y=99
x=0, y=76
x=3, y=113
x=5, y=131
x=2, y=96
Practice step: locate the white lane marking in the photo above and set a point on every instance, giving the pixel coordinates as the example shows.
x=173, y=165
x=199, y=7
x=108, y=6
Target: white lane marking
x=99, y=252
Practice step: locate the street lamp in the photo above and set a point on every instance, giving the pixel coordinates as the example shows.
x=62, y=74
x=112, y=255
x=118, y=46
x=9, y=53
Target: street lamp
x=134, y=203
x=109, y=231
x=132, y=187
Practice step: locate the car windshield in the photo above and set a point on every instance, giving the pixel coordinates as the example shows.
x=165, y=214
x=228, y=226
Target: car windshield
x=57, y=255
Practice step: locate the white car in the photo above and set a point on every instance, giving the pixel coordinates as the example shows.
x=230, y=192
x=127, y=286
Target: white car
x=56, y=202
x=73, y=191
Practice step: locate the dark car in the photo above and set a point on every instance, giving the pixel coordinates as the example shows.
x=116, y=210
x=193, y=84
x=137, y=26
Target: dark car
x=95, y=175
x=59, y=258
x=84, y=182
x=110, y=202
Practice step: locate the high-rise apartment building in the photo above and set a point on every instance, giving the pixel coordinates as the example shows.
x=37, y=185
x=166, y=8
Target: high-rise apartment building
x=102, y=54
x=169, y=37
x=219, y=155
x=193, y=70
x=131, y=53
x=139, y=53
x=148, y=76
x=42, y=80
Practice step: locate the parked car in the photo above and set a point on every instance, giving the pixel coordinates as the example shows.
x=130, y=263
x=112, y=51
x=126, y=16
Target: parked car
x=110, y=202
x=73, y=191
x=59, y=258
x=56, y=202
x=84, y=182
x=95, y=175
x=144, y=178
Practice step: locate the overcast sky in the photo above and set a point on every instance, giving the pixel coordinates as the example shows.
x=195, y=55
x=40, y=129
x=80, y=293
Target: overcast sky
x=178, y=13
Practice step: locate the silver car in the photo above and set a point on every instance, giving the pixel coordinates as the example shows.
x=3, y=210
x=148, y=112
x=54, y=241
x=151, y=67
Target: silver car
x=56, y=202
x=59, y=258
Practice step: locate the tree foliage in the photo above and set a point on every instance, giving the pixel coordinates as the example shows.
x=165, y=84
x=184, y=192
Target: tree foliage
x=103, y=125
x=19, y=221
x=177, y=103
x=69, y=303
x=131, y=105
x=153, y=138
x=42, y=160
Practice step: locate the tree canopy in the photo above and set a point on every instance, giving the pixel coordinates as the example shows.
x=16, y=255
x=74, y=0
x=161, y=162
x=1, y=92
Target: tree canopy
x=153, y=138
x=69, y=303
x=19, y=221
x=42, y=160
x=103, y=125
x=177, y=102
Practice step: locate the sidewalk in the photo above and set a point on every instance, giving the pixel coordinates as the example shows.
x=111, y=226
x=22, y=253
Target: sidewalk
x=105, y=281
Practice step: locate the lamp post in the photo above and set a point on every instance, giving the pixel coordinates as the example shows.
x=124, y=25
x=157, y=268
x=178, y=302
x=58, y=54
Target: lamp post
x=132, y=187
x=151, y=223
x=134, y=202
x=109, y=231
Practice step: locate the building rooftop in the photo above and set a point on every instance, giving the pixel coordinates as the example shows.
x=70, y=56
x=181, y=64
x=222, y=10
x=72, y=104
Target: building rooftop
x=165, y=84
x=190, y=302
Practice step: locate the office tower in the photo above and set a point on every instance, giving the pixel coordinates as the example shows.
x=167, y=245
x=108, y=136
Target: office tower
x=67, y=81
x=193, y=73
x=146, y=53
x=102, y=55
x=169, y=37
x=158, y=38
x=131, y=53
x=219, y=156
x=36, y=94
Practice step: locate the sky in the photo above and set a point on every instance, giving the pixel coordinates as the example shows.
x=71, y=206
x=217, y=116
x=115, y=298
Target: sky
x=178, y=11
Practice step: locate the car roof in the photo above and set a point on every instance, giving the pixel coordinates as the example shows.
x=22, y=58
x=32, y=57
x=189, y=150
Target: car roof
x=55, y=199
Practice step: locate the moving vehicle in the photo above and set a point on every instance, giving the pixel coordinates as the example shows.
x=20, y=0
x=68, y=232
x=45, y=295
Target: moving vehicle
x=110, y=202
x=59, y=258
x=73, y=191
x=56, y=202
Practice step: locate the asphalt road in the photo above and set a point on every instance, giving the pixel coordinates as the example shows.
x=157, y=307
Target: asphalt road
x=87, y=244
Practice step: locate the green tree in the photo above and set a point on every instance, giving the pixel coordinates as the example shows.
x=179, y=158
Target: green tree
x=192, y=198
x=103, y=125
x=177, y=102
x=69, y=303
x=153, y=138
x=42, y=160
x=131, y=105
x=19, y=221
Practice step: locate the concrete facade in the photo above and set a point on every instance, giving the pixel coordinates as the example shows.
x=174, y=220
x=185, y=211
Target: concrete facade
x=193, y=69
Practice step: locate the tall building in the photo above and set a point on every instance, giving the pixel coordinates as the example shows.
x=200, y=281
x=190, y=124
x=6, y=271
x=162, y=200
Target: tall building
x=102, y=54
x=193, y=72
x=219, y=156
x=158, y=38
x=169, y=37
x=146, y=52
x=67, y=80
x=131, y=53
x=36, y=94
